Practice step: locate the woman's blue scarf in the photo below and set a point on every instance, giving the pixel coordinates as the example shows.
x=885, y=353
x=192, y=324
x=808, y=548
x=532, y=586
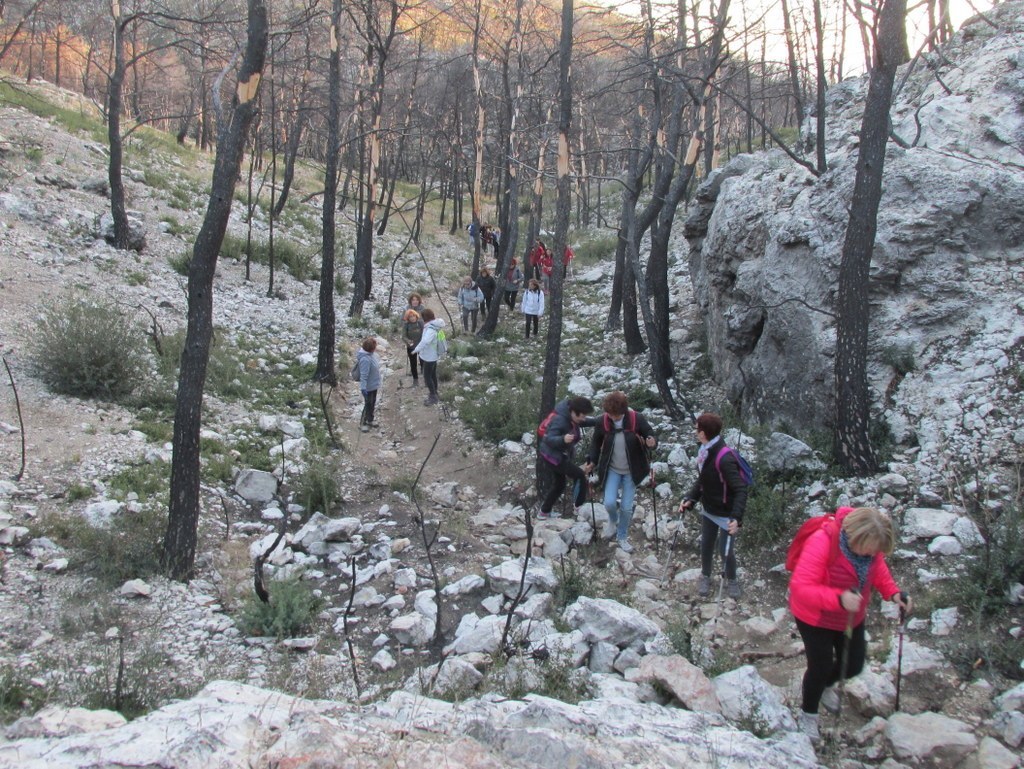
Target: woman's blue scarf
x=860, y=563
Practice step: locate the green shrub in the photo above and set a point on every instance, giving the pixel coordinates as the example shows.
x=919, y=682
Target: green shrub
x=18, y=695
x=502, y=416
x=290, y=611
x=180, y=261
x=317, y=488
x=290, y=255
x=772, y=514
x=900, y=358
x=88, y=348
x=128, y=547
x=226, y=374
x=600, y=248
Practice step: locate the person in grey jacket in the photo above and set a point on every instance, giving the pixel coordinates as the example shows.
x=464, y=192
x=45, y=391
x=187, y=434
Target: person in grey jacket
x=470, y=298
x=369, y=381
x=557, y=448
x=513, y=280
x=430, y=348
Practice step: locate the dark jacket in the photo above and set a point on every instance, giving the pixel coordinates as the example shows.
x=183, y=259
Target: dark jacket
x=636, y=450
x=487, y=284
x=708, y=489
x=553, y=445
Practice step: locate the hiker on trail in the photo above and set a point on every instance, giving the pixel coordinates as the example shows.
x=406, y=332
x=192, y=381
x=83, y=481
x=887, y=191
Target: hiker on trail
x=412, y=332
x=470, y=297
x=536, y=254
x=513, y=280
x=369, y=381
x=487, y=286
x=558, y=446
x=430, y=349
x=619, y=452
x=489, y=236
x=567, y=258
x=533, y=307
x=836, y=570
x=547, y=266
x=722, y=492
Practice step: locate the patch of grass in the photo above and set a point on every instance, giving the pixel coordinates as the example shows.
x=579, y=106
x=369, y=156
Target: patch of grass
x=78, y=491
x=299, y=262
x=136, y=278
x=290, y=612
x=595, y=250
x=157, y=431
x=74, y=121
x=226, y=375
x=900, y=358
x=18, y=695
x=317, y=489
x=174, y=227
x=180, y=261
x=129, y=547
x=504, y=417
x=88, y=347
x=148, y=480
x=34, y=154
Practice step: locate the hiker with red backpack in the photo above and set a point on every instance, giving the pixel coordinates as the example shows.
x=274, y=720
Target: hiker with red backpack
x=559, y=433
x=619, y=452
x=723, y=482
x=836, y=562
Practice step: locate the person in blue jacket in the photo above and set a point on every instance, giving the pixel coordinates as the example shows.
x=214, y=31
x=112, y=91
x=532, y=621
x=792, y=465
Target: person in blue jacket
x=557, y=448
x=369, y=381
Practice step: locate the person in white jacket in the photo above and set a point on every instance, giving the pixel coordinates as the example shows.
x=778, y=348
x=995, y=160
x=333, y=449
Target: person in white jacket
x=533, y=306
x=430, y=349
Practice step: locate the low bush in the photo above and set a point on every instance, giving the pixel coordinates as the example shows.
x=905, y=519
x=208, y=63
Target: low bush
x=18, y=695
x=317, y=488
x=88, y=347
x=290, y=612
x=503, y=416
x=290, y=255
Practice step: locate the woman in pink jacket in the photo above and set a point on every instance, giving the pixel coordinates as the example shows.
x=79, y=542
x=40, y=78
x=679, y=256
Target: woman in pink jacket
x=838, y=567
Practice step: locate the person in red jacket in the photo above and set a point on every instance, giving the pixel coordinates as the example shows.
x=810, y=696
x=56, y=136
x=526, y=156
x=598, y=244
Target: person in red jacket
x=838, y=567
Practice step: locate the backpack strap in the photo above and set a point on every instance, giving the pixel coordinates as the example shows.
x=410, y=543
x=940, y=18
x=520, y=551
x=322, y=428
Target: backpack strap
x=718, y=466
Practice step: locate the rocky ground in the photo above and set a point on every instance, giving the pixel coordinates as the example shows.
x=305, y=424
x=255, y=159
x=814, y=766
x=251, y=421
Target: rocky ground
x=599, y=625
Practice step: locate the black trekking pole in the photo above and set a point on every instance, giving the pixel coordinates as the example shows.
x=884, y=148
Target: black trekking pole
x=844, y=660
x=593, y=515
x=900, y=630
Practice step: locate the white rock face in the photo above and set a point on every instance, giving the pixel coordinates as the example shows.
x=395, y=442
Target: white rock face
x=504, y=578
x=788, y=453
x=872, y=694
x=683, y=679
x=930, y=739
x=925, y=523
x=916, y=658
x=580, y=385
x=56, y=721
x=256, y=485
x=944, y=620
x=466, y=584
x=412, y=629
x=745, y=696
x=602, y=619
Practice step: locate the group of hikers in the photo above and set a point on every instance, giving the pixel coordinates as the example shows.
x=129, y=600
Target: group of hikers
x=836, y=560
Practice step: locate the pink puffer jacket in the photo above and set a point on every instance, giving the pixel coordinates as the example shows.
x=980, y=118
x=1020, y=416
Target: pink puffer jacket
x=823, y=573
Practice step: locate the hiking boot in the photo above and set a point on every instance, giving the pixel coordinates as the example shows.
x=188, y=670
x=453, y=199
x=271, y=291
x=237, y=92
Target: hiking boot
x=415, y=382
x=541, y=515
x=732, y=589
x=830, y=700
x=624, y=546
x=808, y=724
x=703, y=586
x=608, y=531
x=364, y=428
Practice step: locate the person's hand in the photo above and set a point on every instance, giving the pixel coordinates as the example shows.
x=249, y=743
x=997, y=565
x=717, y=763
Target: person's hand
x=734, y=526
x=905, y=602
x=588, y=467
x=365, y=392
x=685, y=505
x=651, y=442
x=850, y=600
x=568, y=438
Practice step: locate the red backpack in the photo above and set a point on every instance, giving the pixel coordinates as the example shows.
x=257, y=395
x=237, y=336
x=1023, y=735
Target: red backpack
x=542, y=429
x=807, y=528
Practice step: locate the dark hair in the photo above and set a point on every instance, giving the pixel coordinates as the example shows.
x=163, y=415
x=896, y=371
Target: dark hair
x=369, y=344
x=427, y=315
x=581, y=405
x=710, y=424
x=615, y=403
x=414, y=295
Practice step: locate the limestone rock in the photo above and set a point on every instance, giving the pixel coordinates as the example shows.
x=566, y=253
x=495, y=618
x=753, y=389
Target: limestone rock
x=683, y=679
x=412, y=629
x=746, y=697
x=925, y=523
x=256, y=485
x=930, y=739
x=602, y=619
x=504, y=578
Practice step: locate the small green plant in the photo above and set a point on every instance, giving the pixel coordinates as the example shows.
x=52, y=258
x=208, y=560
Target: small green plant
x=506, y=416
x=900, y=358
x=136, y=278
x=78, y=491
x=34, y=154
x=18, y=695
x=174, y=227
x=598, y=249
x=180, y=261
x=290, y=612
x=317, y=488
x=88, y=347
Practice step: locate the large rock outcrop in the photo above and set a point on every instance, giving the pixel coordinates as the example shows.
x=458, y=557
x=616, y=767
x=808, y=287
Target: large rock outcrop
x=947, y=318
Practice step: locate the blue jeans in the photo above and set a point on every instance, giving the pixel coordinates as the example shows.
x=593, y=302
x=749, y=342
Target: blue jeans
x=621, y=513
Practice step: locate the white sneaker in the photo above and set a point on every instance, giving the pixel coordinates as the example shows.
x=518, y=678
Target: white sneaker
x=609, y=530
x=808, y=723
x=830, y=699
x=624, y=546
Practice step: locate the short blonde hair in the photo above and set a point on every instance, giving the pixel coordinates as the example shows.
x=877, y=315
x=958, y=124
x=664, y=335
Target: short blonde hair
x=868, y=528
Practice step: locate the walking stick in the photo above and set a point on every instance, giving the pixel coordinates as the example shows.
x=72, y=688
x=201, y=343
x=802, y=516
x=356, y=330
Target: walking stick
x=900, y=630
x=844, y=660
x=725, y=558
x=593, y=515
x=668, y=556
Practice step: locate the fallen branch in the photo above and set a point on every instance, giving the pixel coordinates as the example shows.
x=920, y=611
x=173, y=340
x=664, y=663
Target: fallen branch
x=344, y=624
x=523, y=588
x=428, y=543
x=21, y=421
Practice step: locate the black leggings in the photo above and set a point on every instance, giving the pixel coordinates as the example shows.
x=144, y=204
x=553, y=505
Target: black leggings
x=414, y=362
x=565, y=468
x=510, y=298
x=535, y=319
x=369, y=404
x=430, y=375
x=824, y=651
x=709, y=531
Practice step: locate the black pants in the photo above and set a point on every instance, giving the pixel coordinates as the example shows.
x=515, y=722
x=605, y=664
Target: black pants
x=487, y=305
x=824, y=651
x=369, y=404
x=709, y=535
x=535, y=319
x=430, y=375
x=565, y=469
x=510, y=299
x=466, y=314
x=414, y=362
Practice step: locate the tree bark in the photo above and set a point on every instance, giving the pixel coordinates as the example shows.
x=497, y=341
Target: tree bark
x=851, y=442
x=179, y=546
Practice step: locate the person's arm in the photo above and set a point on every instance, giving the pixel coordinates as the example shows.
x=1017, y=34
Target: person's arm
x=643, y=427
x=554, y=438
x=596, y=443
x=540, y=303
x=365, y=367
x=427, y=338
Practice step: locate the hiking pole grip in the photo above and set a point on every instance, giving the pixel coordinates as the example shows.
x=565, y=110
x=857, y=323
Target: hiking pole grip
x=904, y=597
